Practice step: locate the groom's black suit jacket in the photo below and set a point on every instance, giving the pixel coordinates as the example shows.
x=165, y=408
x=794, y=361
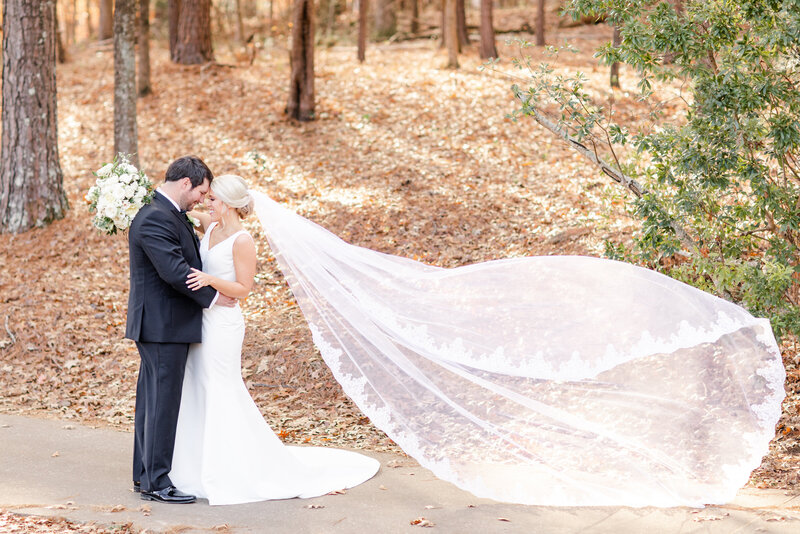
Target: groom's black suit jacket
x=163, y=247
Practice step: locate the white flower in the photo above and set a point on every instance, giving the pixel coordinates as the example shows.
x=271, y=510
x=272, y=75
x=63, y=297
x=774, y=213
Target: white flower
x=119, y=192
x=107, y=210
x=93, y=194
x=105, y=170
x=132, y=210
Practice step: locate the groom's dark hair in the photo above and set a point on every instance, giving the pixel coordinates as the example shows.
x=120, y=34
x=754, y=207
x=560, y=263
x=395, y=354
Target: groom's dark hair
x=190, y=167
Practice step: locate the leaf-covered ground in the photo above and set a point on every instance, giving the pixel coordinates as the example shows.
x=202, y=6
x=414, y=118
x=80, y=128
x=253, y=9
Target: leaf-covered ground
x=406, y=157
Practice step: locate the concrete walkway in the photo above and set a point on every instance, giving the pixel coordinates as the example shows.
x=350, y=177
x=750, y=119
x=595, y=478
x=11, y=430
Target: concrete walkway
x=57, y=468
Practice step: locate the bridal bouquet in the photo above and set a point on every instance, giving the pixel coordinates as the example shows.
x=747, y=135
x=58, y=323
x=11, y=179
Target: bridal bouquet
x=118, y=194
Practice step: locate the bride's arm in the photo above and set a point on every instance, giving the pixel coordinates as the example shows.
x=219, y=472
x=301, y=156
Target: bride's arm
x=244, y=262
x=203, y=217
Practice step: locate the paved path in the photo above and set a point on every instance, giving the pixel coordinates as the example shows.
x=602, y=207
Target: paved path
x=58, y=468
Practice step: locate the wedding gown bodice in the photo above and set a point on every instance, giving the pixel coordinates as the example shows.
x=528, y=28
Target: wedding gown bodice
x=218, y=260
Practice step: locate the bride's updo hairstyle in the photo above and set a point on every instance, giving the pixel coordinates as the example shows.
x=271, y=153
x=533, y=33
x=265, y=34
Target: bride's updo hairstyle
x=232, y=190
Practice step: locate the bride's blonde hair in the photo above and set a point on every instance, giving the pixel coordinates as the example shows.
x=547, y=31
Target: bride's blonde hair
x=232, y=190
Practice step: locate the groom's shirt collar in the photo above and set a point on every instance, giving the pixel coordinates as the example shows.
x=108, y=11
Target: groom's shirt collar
x=168, y=198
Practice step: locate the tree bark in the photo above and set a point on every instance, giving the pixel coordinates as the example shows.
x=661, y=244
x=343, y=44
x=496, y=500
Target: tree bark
x=461, y=19
x=614, y=74
x=72, y=22
x=301, y=84
x=144, y=84
x=488, y=45
x=125, y=134
x=239, y=23
x=443, y=24
x=89, y=26
x=105, y=26
x=31, y=181
x=174, y=10
x=194, y=33
x=451, y=34
x=363, y=6
x=540, y=23
x=414, y=16
x=61, y=50
x=385, y=19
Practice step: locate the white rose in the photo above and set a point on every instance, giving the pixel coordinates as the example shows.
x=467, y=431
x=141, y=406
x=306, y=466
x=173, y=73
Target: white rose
x=106, y=199
x=131, y=211
x=105, y=170
x=117, y=190
x=121, y=221
x=93, y=194
x=130, y=190
x=130, y=169
x=138, y=198
x=109, y=210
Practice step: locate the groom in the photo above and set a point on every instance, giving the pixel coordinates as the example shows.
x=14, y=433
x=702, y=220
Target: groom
x=164, y=317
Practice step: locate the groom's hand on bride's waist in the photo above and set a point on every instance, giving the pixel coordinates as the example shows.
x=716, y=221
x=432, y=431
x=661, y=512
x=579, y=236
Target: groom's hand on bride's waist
x=225, y=301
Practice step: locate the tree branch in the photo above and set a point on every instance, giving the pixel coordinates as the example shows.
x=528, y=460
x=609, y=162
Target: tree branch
x=616, y=175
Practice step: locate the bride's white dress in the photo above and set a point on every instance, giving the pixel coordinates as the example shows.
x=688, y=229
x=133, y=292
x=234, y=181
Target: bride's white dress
x=224, y=449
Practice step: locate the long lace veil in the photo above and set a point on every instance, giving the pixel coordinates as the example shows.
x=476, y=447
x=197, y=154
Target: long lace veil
x=558, y=380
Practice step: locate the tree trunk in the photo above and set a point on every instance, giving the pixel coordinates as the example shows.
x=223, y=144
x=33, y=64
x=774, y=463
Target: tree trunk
x=145, y=86
x=194, y=33
x=174, y=10
x=539, y=23
x=443, y=24
x=488, y=46
x=414, y=16
x=385, y=19
x=89, y=25
x=363, y=6
x=125, y=134
x=61, y=51
x=105, y=26
x=239, y=24
x=451, y=34
x=330, y=20
x=301, y=84
x=31, y=181
x=461, y=19
x=70, y=26
x=615, y=66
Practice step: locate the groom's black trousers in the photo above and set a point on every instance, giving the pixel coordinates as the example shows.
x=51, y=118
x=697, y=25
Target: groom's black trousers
x=158, y=400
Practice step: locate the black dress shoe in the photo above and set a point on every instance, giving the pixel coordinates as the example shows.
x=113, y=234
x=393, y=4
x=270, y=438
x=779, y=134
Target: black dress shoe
x=170, y=495
x=137, y=487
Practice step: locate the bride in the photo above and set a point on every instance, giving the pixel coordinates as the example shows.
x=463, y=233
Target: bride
x=559, y=380
x=224, y=449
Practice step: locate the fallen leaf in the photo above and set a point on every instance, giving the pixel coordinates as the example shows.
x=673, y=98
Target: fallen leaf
x=421, y=522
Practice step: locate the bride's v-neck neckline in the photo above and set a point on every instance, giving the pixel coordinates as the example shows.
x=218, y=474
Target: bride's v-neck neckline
x=211, y=229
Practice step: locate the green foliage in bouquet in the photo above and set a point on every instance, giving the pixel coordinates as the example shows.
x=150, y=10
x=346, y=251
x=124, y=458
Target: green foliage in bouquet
x=119, y=193
x=720, y=207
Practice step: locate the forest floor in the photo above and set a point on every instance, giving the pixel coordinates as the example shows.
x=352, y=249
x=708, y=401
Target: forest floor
x=405, y=157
